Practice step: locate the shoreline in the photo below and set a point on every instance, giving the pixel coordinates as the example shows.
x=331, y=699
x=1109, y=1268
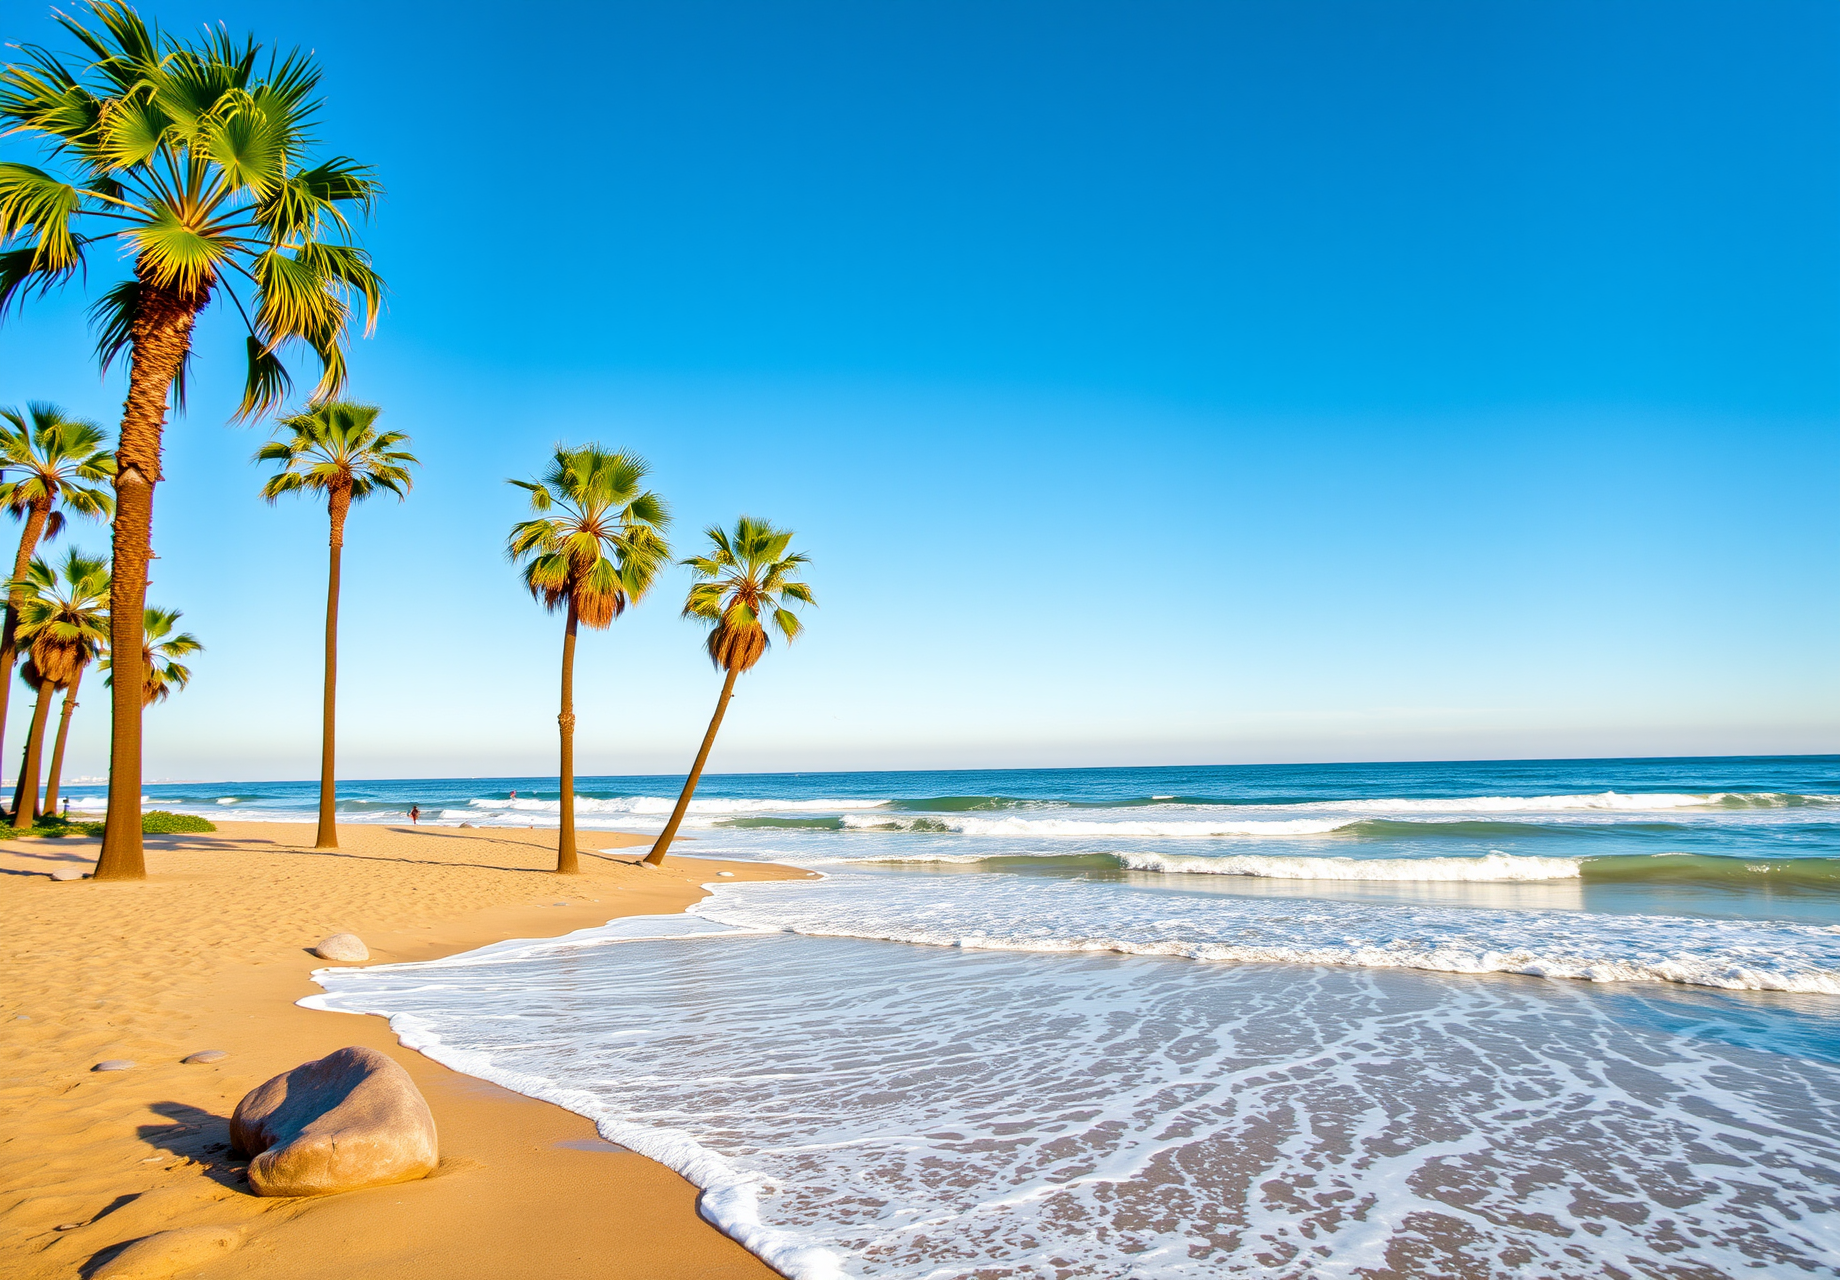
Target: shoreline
x=211, y=953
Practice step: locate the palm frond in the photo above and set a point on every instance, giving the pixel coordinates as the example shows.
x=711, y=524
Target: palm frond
x=741, y=581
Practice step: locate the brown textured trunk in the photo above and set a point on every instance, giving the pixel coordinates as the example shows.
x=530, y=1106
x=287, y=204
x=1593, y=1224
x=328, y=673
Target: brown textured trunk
x=25, y=802
x=9, y=648
x=663, y=844
x=566, y=861
x=57, y=751
x=338, y=505
x=161, y=335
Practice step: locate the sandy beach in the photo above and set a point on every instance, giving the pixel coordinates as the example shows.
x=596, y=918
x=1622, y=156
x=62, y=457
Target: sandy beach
x=211, y=953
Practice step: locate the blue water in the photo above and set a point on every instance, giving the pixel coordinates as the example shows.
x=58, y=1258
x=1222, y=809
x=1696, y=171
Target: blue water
x=1555, y=1018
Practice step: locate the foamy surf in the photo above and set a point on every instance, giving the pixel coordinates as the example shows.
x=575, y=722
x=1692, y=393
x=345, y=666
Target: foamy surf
x=1004, y=912
x=847, y=1110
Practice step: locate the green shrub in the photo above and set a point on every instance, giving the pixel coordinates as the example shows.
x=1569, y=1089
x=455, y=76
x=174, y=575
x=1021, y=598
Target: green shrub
x=154, y=822
x=158, y=822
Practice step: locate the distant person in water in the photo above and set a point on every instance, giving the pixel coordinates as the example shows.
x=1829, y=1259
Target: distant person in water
x=415, y=813
x=514, y=793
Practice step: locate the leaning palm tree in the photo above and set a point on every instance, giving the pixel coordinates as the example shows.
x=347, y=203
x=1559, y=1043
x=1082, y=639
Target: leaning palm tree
x=188, y=159
x=63, y=622
x=595, y=547
x=335, y=449
x=741, y=586
x=50, y=463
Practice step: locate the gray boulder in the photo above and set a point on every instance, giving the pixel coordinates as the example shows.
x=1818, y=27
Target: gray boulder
x=348, y=1120
x=342, y=946
x=114, y=1064
x=68, y=873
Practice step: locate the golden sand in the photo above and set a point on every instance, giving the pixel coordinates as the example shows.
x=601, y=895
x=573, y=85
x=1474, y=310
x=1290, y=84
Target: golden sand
x=210, y=952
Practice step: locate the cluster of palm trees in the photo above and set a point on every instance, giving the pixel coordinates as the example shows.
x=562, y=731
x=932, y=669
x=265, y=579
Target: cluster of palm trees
x=596, y=544
x=57, y=615
x=190, y=162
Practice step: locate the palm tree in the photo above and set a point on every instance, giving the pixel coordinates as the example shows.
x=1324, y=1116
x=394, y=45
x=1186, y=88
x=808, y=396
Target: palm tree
x=600, y=551
x=64, y=623
x=335, y=449
x=188, y=159
x=741, y=585
x=50, y=463
x=162, y=675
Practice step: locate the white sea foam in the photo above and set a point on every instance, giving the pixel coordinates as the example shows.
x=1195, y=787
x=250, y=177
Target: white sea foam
x=1225, y=825
x=999, y=912
x=1491, y=866
x=853, y=1107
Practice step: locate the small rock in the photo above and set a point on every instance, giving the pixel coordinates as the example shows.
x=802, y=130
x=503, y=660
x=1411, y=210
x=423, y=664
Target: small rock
x=342, y=946
x=725, y=873
x=351, y=1119
x=67, y=1226
x=467, y=826
x=205, y=1055
x=165, y=1252
x=67, y=873
x=114, y=1064
x=22, y=1017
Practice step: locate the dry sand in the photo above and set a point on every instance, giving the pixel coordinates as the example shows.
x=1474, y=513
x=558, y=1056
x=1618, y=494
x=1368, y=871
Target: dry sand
x=210, y=953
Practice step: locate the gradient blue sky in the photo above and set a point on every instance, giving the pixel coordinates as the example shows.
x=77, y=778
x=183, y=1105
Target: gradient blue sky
x=1150, y=383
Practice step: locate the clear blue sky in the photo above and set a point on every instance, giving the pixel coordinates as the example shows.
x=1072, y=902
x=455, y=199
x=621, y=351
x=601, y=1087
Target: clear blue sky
x=1150, y=383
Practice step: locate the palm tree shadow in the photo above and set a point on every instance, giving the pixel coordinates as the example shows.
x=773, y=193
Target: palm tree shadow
x=200, y=1136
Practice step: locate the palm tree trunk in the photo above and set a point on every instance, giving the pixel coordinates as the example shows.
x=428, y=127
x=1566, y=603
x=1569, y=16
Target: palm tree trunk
x=566, y=861
x=161, y=336
x=19, y=779
x=25, y=807
x=656, y=856
x=9, y=648
x=28, y=543
x=57, y=751
x=328, y=838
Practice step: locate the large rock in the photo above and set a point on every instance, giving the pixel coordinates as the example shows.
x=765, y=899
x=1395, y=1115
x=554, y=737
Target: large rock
x=351, y=1119
x=342, y=946
x=167, y=1252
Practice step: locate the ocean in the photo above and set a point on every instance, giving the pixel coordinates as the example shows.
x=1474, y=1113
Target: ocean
x=1556, y=1018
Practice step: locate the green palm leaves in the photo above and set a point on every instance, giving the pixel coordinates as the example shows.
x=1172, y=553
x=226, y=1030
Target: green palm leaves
x=162, y=674
x=336, y=448
x=55, y=463
x=743, y=584
x=192, y=159
x=63, y=619
x=598, y=542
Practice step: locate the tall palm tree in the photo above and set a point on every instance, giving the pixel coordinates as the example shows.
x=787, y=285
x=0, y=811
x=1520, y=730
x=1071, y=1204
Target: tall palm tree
x=63, y=622
x=188, y=159
x=49, y=463
x=595, y=547
x=742, y=585
x=335, y=449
